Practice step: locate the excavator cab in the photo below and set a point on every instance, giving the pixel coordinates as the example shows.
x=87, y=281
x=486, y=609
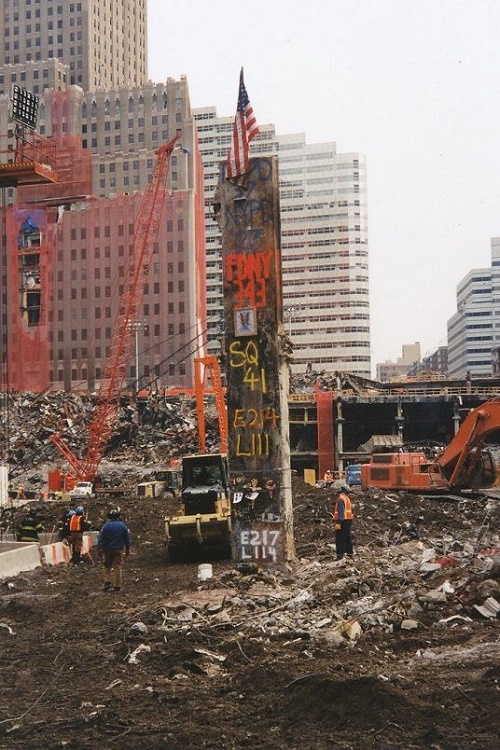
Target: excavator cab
x=202, y=529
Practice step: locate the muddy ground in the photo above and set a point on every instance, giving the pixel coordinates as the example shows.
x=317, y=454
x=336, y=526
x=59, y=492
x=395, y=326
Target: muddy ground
x=264, y=660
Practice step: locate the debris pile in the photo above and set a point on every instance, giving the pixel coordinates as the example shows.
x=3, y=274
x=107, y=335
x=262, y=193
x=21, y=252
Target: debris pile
x=145, y=433
x=348, y=383
x=407, y=632
x=397, y=648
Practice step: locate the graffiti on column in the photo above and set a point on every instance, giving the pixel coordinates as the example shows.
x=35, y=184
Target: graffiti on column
x=252, y=300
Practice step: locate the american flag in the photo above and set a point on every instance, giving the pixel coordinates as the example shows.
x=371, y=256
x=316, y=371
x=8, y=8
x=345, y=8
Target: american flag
x=244, y=129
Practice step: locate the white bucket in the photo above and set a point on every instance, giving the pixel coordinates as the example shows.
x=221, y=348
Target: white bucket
x=204, y=571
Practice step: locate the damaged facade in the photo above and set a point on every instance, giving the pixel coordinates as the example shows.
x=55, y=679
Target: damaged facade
x=67, y=246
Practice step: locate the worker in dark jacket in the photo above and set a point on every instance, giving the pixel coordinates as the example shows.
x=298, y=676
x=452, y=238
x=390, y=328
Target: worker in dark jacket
x=342, y=517
x=63, y=524
x=29, y=527
x=114, y=544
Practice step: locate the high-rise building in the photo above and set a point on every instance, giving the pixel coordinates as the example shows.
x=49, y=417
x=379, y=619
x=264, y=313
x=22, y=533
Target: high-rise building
x=104, y=44
x=474, y=330
x=410, y=357
x=108, y=122
x=67, y=243
x=324, y=239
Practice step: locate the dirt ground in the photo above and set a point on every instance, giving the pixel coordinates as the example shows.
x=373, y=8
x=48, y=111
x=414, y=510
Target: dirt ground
x=255, y=661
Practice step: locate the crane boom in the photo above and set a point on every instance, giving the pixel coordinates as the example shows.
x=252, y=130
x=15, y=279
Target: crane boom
x=210, y=363
x=120, y=348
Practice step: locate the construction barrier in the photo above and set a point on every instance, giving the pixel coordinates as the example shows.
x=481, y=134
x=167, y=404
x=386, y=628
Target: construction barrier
x=19, y=557
x=55, y=554
x=60, y=552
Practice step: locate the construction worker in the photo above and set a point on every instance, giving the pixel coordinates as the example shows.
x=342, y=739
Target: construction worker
x=113, y=543
x=29, y=528
x=77, y=525
x=328, y=478
x=63, y=524
x=342, y=517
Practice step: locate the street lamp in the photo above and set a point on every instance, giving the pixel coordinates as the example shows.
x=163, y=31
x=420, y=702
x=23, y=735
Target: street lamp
x=289, y=312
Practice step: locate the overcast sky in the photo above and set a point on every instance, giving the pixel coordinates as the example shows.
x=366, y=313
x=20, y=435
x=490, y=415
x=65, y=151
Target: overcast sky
x=413, y=84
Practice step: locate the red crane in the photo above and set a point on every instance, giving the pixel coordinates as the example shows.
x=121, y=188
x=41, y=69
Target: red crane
x=122, y=339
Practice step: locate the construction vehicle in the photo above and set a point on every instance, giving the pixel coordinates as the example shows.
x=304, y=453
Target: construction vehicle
x=465, y=463
x=163, y=483
x=82, y=491
x=353, y=474
x=202, y=528
x=122, y=339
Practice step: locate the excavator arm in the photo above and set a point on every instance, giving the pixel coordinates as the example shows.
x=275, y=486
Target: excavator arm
x=462, y=455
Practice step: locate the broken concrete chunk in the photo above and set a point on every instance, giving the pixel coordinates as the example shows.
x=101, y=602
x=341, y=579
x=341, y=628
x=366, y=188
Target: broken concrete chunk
x=433, y=597
x=409, y=625
x=490, y=608
x=132, y=659
x=186, y=615
x=302, y=597
x=428, y=555
x=447, y=588
x=138, y=628
x=429, y=567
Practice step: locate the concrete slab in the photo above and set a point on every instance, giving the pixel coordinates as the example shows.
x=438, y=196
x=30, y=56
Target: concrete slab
x=19, y=558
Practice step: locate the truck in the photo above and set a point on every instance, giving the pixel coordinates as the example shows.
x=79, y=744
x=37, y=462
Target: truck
x=202, y=527
x=353, y=474
x=82, y=491
x=465, y=463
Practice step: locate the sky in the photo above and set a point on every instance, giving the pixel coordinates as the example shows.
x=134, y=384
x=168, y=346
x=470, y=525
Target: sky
x=412, y=84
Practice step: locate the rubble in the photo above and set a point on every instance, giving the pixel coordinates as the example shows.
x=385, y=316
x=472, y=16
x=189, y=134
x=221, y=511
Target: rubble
x=489, y=608
x=406, y=633
x=142, y=436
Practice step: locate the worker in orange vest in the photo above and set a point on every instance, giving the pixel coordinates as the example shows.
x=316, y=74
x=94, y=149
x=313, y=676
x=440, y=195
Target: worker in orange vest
x=342, y=516
x=328, y=478
x=77, y=525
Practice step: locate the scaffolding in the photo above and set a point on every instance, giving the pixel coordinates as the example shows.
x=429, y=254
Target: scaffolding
x=26, y=159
